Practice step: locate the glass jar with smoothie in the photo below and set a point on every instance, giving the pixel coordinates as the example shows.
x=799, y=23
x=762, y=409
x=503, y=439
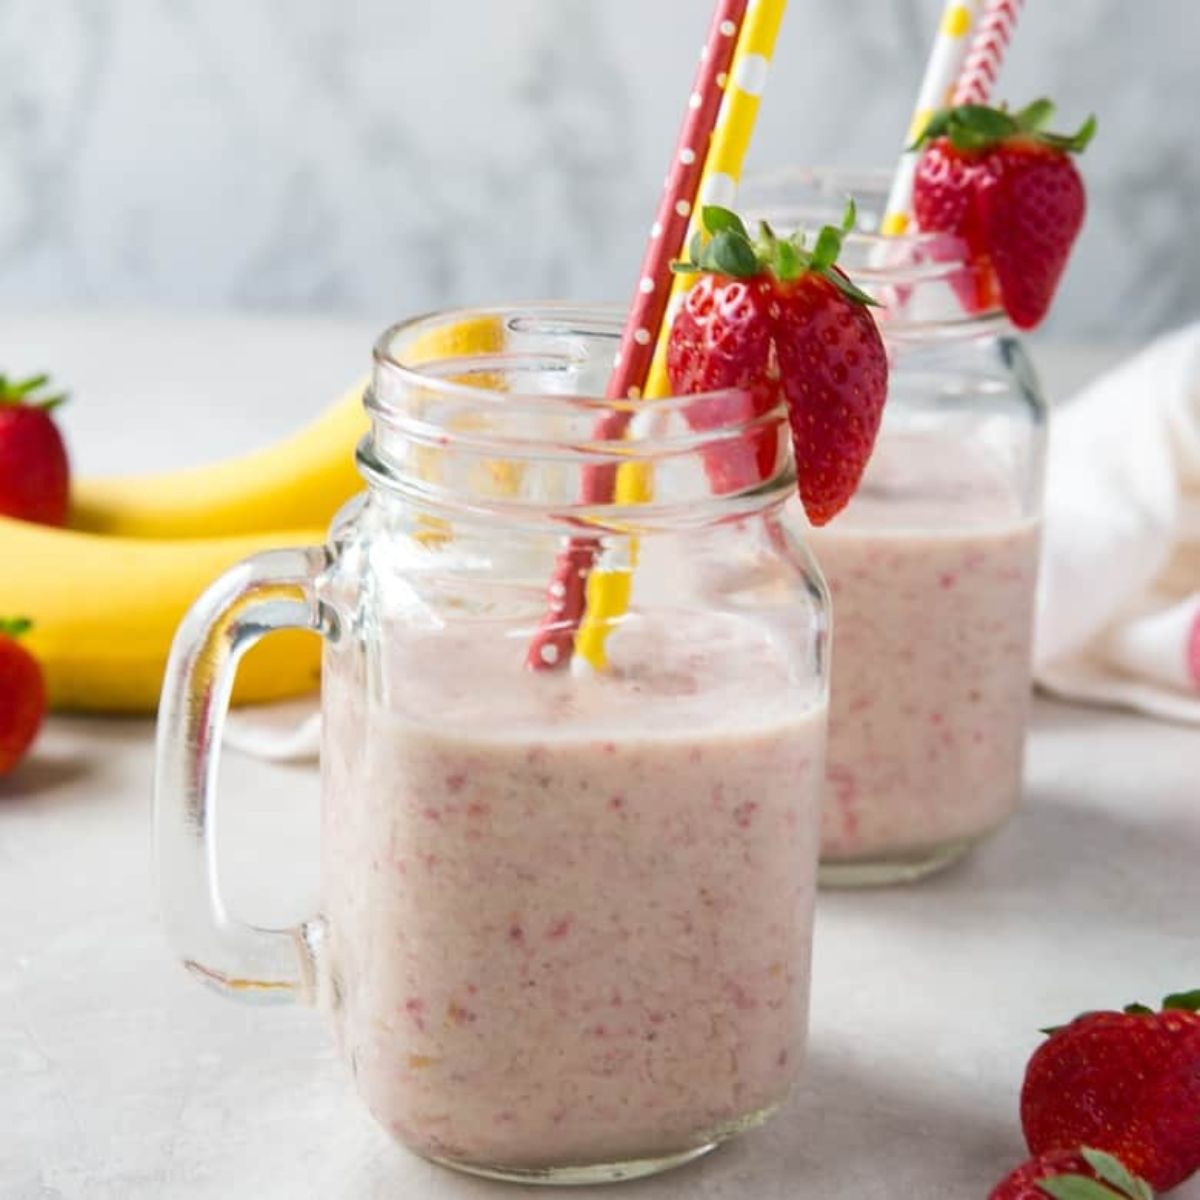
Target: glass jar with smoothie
x=932, y=567
x=565, y=920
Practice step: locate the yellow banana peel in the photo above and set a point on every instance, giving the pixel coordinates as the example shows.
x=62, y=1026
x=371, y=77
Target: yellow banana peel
x=106, y=608
x=107, y=594
x=296, y=483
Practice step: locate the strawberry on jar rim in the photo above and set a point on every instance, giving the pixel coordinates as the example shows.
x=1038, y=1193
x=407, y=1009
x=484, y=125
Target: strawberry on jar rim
x=1011, y=191
x=34, y=473
x=1126, y=1082
x=773, y=319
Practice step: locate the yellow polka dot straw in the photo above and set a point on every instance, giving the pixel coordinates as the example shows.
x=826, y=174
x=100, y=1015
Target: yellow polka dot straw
x=950, y=46
x=610, y=584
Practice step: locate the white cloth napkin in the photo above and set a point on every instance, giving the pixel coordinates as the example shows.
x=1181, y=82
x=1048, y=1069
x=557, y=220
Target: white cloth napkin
x=1119, y=612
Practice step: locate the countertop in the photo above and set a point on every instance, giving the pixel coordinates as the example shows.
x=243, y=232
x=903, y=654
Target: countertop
x=121, y=1079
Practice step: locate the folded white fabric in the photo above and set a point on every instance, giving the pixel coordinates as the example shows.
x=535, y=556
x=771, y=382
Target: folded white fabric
x=1119, y=612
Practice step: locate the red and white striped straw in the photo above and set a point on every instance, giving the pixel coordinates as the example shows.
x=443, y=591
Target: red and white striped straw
x=982, y=66
x=552, y=644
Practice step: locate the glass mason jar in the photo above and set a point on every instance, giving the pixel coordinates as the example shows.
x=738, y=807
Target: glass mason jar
x=932, y=567
x=565, y=913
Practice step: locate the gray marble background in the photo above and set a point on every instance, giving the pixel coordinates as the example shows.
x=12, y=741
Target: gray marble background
x=385, y=156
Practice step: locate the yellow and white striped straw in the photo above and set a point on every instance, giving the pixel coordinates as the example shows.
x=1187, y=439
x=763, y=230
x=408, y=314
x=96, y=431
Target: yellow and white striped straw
x=946, y=58
x=610, y=583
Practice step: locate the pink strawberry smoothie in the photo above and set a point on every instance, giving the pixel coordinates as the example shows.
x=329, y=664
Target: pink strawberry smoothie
x=933, y=588
x=569, y=922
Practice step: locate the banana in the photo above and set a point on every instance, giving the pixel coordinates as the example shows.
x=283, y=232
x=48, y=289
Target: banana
x=105, y=610
x=106, y=594
x=296, y=483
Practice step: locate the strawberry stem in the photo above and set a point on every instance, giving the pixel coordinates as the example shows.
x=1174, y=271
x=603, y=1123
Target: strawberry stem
x=14, y=627
x=724, y=247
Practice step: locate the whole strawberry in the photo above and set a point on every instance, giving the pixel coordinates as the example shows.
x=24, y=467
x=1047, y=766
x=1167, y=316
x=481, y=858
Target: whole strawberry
x=1084, y=1174
x=22, y=695
x=1126, y=1082
x=34, y=475
x=773, y=317
x=1011, y=191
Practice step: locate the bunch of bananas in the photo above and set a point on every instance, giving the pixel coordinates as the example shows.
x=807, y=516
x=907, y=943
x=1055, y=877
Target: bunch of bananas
x=106, y=593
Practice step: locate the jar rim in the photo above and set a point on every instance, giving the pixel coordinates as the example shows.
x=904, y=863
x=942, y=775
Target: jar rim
x=564, y=319
x=516, y=389
x=869, y=186
x=896, y=268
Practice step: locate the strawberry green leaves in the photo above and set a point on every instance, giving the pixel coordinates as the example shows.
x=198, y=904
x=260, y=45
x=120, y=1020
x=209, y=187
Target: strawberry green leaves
x=979, y=127
x=1178, y=1001
x=725, y=247
x=1080, y=1187
x=25, y=392
x=14, y=627
x=1113, y=1170
x=1114, y=1180
x=721, y=220
x=1035, y=115
x=969, y=127
x=1182, y=1001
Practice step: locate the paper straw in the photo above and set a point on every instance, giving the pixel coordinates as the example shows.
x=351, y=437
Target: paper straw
x=609, y=587
x=552, y=643
x=938, y=86
x=994, y=32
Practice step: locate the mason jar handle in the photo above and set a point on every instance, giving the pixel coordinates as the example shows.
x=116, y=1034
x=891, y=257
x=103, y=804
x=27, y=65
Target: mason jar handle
x=269, y=592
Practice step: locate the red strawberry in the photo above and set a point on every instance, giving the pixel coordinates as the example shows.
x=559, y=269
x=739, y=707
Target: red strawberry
x=834, y=371
x=1012, y=193
x=34, y=476
x=779, y=316
x=22, y=695
x=1126, y=1082
x=721, y=343
x=943, y=190
x=1031, y=206
x=1062, y=1174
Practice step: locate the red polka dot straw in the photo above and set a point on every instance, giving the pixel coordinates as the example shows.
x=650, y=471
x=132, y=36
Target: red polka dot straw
x=551, y=645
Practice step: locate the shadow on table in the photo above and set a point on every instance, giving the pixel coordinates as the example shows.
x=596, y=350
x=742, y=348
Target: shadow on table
x=856, y=1128
x=42, y=775
x=1054, y=715
x=853, y=1128
x=1089, y=860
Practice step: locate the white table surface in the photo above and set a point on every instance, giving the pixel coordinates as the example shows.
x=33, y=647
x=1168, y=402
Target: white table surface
x=121, y=1079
